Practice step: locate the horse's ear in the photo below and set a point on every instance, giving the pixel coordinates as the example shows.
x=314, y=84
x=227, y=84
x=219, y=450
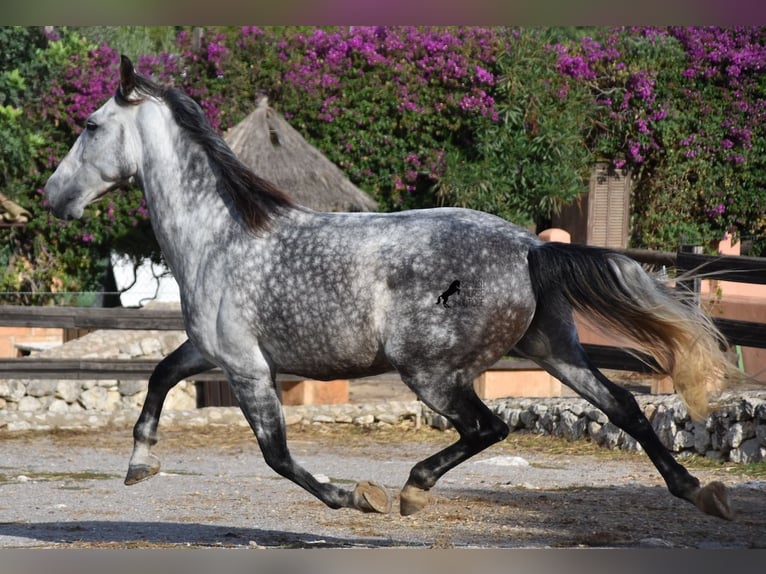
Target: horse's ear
x=127, y=77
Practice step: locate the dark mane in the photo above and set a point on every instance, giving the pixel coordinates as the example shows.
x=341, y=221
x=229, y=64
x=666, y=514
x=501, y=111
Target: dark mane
x=257, y=199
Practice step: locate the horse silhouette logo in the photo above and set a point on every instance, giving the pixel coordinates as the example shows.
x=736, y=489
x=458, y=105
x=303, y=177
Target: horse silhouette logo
x=451, y=290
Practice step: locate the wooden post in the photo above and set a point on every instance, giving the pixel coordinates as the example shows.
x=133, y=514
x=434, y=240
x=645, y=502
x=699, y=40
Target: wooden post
x=690, y=286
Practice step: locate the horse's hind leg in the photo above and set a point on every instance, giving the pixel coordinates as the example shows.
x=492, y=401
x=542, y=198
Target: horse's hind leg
x=454, y=397
x=183, y=362
x=552, y=342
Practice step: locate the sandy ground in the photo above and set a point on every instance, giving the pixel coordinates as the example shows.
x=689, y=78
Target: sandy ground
x=65, y=489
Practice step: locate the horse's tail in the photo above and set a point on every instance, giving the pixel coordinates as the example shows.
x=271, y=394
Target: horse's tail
x=615, y=290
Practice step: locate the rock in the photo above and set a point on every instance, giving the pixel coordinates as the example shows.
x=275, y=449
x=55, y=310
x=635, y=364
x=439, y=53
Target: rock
x=539, y=410
x=597, y=415
x=571, y=426
x=594, y=429
x=293, y=419
x=58, y=406
x=364, y=420
x=628, y=443
x=94, y=398
x=680, y=412
x=682, y=440
x=151, y=347
x=649, y=411
x=68, y=391
x=548, y=422
x=577, y=408
x=737, y=410
x=664, y=426
x=41, y=388
x=29, y=404
x=323, y=419
x=609, y=436
x=752, y=406
x=131, y=349
x=129, y=388
x=527, y=420
x=19, y=425
x=440, y=422
x=513, y=419
x=760, y=434
x=387, y=418
x=12, y=390
x=702, y=442
x=749, y=451
x=738, y=433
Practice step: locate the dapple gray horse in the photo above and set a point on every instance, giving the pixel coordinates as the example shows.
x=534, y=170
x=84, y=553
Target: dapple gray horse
x=249, y=263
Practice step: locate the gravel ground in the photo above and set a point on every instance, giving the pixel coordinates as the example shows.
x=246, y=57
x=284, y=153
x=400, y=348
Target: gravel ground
x=64, y=489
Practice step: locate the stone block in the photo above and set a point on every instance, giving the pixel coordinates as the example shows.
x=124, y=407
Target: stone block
x=94, y=399
x=749, y=451
x=571, y=427
x=682, y=440
x=30, y=404
x=151, y=347
x=41, y=387
x=312, y=392
x=739, y=432
x=364, y=420
x=702, y=441
x=760, y=434
x=58, y=406
x=131, y=387
x=12, y=390
x=68, y=391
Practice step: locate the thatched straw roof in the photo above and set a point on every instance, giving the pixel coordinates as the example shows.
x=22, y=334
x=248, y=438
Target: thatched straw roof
x=274, y=150
x=11, y=213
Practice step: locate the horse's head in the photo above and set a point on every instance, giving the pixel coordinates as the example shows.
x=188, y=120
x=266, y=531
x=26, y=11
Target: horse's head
x=105, y=155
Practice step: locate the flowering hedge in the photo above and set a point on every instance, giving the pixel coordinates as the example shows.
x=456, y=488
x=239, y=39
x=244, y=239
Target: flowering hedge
x=505, y=120
x=683, y=108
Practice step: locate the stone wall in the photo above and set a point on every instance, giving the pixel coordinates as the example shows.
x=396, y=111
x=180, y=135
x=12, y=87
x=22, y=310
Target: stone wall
x=734, y=431
x=75, y=395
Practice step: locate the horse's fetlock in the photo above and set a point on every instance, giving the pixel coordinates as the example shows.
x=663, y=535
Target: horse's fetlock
x=422, y=477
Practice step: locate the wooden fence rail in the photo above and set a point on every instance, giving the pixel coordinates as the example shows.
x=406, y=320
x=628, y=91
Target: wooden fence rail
x=729, y=268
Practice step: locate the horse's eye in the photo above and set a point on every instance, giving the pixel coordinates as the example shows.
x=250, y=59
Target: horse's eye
x=91, y=126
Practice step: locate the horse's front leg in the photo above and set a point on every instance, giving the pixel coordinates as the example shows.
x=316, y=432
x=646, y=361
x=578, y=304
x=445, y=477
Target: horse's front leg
x=260, y=404
x=184, y=362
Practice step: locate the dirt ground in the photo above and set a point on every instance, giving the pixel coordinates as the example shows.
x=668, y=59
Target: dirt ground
x=65, y=490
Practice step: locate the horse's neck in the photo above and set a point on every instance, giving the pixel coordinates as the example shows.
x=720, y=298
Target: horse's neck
x=188, y=215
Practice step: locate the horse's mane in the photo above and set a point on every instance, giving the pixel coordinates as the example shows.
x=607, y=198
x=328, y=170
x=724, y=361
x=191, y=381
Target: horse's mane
x=257, y=199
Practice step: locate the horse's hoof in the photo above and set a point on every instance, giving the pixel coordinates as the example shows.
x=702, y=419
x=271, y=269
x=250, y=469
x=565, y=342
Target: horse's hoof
x=714, y=500
x=412, y=499
x=140, y=472
x=371, y=497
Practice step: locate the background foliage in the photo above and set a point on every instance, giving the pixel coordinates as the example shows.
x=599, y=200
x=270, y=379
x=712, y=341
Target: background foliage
x=509, y=121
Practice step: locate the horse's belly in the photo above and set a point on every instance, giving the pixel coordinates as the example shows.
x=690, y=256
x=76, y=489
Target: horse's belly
x=327, y=364
x=326, y=353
